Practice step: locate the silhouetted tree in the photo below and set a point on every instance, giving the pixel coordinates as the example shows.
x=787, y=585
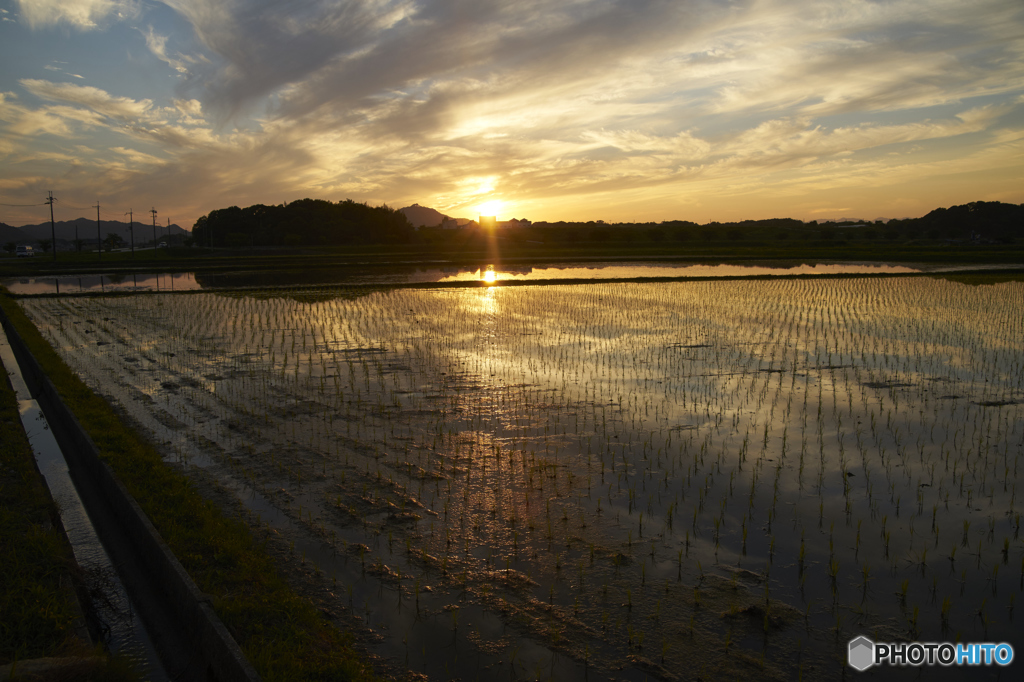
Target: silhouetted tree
x=113, y=241
x=306, y=221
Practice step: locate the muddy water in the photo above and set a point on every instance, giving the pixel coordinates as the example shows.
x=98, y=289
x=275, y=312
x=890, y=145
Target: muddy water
x=610, y=480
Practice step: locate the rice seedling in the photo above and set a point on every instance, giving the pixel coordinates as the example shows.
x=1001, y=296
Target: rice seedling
x=541, y=428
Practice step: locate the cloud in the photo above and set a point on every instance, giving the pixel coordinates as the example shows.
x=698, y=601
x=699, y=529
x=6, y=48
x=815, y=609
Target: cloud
x=81, y=14
x=789, y=141
x=681, y=146
x=190, y=107
x=19, y=183
x=25, y=122
x=328, y=52
x=157, y=44
x=563, y=103
x=260, y=47
x=100, y=101
x=97, y=108
x=138, y=157
x=416, y=63
x=544, y=94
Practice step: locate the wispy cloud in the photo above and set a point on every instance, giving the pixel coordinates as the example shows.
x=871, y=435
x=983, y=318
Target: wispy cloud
x=81, y=14
x=95, y=99
x=157, y=44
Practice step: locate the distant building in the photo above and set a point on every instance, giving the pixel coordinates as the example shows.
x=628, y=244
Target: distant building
x=514, y=223
x=490, y=222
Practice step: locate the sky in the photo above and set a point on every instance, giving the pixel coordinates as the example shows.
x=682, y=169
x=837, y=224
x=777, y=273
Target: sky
x=615, y=110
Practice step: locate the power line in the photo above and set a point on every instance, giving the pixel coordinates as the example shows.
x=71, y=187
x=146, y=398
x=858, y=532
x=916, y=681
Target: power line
x=50, y=200
x=111, y=209
x=64, y=204
x=79, y=208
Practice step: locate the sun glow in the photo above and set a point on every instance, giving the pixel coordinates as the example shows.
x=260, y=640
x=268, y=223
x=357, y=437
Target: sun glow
x=489, y=276
x=490, y=208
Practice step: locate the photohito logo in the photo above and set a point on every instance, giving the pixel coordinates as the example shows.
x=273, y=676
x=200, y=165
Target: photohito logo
x=862, y=653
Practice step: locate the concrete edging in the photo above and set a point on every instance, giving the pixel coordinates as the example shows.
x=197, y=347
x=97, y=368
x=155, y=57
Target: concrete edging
x=163, y=574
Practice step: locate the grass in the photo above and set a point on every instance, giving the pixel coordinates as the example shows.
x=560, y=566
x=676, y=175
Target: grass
x=282, y=634
x=39, y=611
x=37, y=597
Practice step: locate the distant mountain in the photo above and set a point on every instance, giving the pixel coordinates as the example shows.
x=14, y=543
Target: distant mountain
x=85, y=228
x=421, y=215
x=13, y=234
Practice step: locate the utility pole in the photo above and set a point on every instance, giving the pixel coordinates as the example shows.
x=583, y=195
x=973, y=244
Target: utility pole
x=131, y=230
x=153, y=211
x=53, y=227
x=99, y=240
x=168, y=232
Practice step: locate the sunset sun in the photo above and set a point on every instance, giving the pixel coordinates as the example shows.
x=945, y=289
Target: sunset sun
x=490, y=208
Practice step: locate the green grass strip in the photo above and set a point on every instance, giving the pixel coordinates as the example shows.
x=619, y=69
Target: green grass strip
x=282, y=634
x=38, y=610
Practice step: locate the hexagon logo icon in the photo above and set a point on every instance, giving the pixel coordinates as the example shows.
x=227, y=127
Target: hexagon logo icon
x=861, y=654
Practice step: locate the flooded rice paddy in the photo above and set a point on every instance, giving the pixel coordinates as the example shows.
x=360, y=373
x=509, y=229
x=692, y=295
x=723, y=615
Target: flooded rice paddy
x=399, y=274
x=617, y=480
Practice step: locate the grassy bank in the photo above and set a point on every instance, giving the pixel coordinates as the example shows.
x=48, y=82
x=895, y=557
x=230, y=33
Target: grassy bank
x=38, y=575
x=38, y=608
x=283, y=635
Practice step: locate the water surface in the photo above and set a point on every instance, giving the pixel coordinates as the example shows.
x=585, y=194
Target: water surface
x=714, y=478
x=418, y=274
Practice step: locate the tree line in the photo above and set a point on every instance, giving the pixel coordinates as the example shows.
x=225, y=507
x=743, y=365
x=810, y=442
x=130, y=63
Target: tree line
x=987, y=220
x=306, y=222
x=313, y=222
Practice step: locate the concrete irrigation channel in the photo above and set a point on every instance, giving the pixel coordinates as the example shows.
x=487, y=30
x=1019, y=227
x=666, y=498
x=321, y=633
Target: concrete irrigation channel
x=192, y=642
